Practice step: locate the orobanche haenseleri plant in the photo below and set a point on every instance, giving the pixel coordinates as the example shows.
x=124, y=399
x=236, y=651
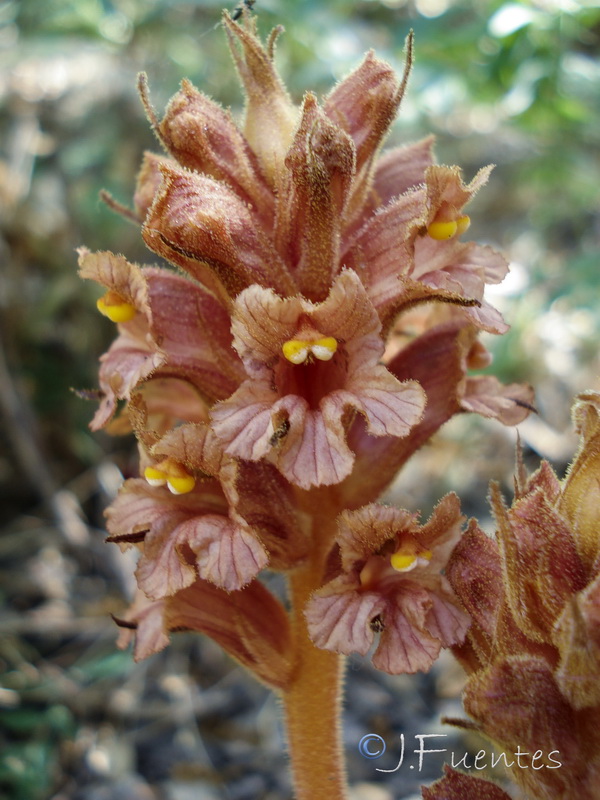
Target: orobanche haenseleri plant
x=315, y=324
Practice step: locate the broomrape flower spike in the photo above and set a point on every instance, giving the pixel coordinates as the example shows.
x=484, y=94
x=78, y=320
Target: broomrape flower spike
x=263, y=376
x=532, y=653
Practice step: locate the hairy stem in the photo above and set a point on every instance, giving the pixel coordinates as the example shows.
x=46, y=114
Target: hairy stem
x=313, y=702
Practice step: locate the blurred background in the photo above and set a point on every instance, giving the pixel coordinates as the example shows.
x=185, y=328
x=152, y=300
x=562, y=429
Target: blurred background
x=516, y=84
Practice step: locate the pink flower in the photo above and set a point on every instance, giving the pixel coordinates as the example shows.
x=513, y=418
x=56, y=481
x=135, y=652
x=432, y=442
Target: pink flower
x=409, y=251
x=212, y=517
x=309, y=367
x=390, y=583
x=168, y=328
x=250, y=624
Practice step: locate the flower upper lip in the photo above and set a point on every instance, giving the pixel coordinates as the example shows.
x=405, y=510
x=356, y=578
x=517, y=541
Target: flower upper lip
x=313, y=397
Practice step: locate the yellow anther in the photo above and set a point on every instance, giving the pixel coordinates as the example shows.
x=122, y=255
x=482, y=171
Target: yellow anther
x=442, y=230
x=113, y=306
x=462, y=224
x=407, y=559
x=171, y=473
x=324, y=349
x=155, y=477
x=295, y=350
x=298, y=350
x=181, y=485
x=402, y=562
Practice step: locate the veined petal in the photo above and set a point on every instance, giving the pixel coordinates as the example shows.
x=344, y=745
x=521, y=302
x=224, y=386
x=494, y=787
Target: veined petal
x=242, y=422
x=314, y=452
x=445, y=620
x=485, y=395
x=163, y=568
x=193, y=327
x=338, y=618
x=116, y=274
x=228, y=555
x=262, y=321
x=405, y=647
x=383, y=249
x=401, y=169
x=132, y=358
x=483, y=263
x=390, y=408
x=347, y=313
x=144, y=623
x=440, y=374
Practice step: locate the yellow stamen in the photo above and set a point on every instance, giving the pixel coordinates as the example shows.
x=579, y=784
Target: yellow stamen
x=298, y=350
x=324, y=349
x=113, y=306
x=295, y=350
x=405, y=559
x=402, y=562
x=442, y=230
x=155, y=477
x=181, y=485
x=462, y=224
x=171, y=473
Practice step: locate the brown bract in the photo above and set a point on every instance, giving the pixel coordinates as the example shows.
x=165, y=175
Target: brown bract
x=204, y=138
x=533, y=650
x=456, y=785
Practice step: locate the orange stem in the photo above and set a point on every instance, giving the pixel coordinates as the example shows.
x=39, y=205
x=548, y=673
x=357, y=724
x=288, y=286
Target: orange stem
x=313, y=702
